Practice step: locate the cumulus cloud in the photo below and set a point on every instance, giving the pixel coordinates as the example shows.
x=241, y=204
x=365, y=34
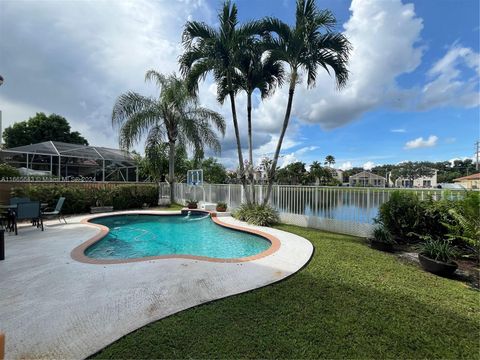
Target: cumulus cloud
x=369, y=165
x=421, y=142
x=346, y=166
x=449, y=83
x=288, y=159
x=75, y=57
x=378, y=58
x=379, y=55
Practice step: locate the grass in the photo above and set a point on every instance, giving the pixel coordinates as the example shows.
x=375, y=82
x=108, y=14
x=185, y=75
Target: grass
x=349, y=302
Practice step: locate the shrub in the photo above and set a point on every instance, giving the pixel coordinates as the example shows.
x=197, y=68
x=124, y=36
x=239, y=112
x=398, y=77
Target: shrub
x=435, y=217
x=401, y=214
x=79, y=199
x=381, y=234
x=261, y=215
x=439, y=250
x=8, y=171
x=466, y=225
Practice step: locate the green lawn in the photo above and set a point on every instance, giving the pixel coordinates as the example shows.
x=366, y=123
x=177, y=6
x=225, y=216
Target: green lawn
x=349, y=302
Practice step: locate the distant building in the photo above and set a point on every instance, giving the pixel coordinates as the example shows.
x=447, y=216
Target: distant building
x=367, y=178
x=420, y=182
x=338, y=174
x=469, y=182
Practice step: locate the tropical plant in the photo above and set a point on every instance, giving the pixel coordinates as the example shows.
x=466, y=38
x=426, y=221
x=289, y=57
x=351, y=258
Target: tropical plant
x=467, y=222
x=257, y=214
x=256, y=70
x=381, y=234
x=217, y=51
x=439, y=250
x=213, y=171
x=175, y=116
x=401, y=214
x=329, y=160
x=321, y=174
x=309, y=44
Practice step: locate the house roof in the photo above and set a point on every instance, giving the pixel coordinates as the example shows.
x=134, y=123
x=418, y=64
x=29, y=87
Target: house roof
x=469, y=177
x=368, y=174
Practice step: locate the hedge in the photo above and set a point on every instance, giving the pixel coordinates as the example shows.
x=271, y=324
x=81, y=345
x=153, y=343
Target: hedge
x=79, y=199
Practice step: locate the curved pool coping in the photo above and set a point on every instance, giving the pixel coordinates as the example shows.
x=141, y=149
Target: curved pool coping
x=78, y=253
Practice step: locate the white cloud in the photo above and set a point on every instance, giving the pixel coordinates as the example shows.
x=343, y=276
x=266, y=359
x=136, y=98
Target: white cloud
x=346, y=166
x=398, y=130
x=379, y=55
x=288, y=159
x=74, y=58
x=422, y=143
x=450, y=84
x=368, y=165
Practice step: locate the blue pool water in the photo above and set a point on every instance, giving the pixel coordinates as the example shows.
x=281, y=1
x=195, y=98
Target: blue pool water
x=137, y=236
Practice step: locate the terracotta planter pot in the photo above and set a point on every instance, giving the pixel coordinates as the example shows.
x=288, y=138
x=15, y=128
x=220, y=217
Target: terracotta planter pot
x=437, y=267
x=221, y=209
x=192, y=206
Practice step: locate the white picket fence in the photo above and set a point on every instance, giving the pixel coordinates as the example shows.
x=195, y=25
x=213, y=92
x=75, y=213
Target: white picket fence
x=347, y=210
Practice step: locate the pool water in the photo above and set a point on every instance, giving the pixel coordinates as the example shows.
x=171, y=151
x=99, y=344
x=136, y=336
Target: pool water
x=137, y=236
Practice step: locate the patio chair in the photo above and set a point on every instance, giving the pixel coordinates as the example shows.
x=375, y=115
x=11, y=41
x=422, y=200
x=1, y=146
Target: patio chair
x=57, y=211
x=28, y=210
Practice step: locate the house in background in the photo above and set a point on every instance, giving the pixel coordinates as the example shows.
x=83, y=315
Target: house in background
x=367, y=178
x=337, y=175
x=469, y=182
x=420, y=182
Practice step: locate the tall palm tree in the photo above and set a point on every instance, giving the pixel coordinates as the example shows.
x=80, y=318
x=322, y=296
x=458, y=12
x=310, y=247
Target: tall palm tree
x=308, y=45
x=175, y=117
x=329, y=160
x=255, y=71
x=209, y=50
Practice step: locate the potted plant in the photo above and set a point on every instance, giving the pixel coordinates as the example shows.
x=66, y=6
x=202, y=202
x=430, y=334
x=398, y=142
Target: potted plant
x=221, y=207
x=382, y=239
x=436, y=256
x=192, y=204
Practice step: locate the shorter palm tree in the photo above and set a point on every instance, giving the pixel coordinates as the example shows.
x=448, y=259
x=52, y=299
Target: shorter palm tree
x=174, y=117
x=257, y=70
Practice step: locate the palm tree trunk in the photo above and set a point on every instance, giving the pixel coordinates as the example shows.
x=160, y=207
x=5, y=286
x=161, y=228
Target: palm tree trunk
x=171, y=169
x=239, y=146
x=271, y=173
x=250, y=144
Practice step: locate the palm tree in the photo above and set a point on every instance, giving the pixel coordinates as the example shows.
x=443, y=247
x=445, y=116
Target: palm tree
x=209, y=50
x=175, y=117
x=306, y=47
x=255, y=71
x=329, y=160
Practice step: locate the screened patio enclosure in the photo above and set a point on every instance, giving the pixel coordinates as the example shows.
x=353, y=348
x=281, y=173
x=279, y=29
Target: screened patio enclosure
x=70, y=161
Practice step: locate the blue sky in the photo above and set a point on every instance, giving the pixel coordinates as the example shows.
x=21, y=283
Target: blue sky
x=413, y=92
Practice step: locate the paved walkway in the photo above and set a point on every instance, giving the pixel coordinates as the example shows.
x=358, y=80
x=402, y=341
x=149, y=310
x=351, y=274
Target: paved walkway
x=52, y=306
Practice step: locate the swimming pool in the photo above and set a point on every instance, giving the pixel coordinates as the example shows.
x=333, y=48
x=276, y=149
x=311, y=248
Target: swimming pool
x=135, y=236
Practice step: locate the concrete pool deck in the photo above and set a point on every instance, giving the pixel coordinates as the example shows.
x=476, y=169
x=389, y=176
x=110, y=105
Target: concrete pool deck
x=52, y=306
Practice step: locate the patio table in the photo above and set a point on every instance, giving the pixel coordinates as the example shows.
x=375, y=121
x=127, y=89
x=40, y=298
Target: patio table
x=10, y=215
